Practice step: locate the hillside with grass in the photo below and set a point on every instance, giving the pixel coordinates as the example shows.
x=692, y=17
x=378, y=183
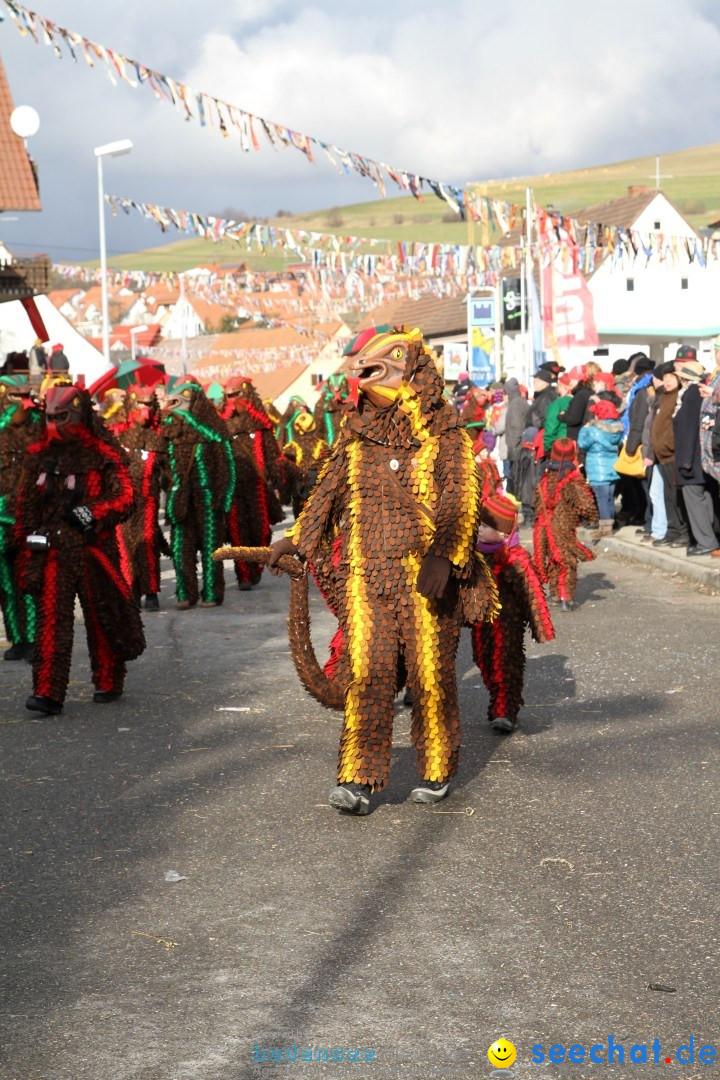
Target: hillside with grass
x=690, y=178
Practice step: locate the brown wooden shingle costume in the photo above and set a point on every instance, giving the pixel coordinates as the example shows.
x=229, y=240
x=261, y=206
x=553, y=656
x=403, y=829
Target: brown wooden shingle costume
x=306, y=452
x=256, y=507
x=562, y=500
x=147, y=452
x=74, y=491
x=202, y=485
x=400, y=488
x=499, y=647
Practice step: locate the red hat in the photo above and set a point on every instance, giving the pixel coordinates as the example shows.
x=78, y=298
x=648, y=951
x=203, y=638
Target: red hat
x=606, y=377
x=577, y=374
x=563, y=450
x=499, y=513
x=604, y=410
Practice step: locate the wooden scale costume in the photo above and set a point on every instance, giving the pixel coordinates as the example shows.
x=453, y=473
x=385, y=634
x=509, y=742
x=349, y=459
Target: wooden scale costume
x=563, y=499
x=202, y=485
x=305, y=452
x=255, y=507
x=401, y=491
x=331, y=407
x=499, y=647
x=74, y=490
x=141, y=533
x=20, y=424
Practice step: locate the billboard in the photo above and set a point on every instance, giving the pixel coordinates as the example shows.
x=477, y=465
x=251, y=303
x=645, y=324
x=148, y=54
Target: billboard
x=481, y=338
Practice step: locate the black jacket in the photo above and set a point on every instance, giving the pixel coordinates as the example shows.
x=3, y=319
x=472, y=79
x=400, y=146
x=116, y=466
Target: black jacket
x=574, y=415
x=686, y=426
x=516, y=412
x=538, y=409
x=637, y=415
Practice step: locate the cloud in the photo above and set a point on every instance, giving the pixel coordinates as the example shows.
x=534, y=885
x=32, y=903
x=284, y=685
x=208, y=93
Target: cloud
x=458, y=92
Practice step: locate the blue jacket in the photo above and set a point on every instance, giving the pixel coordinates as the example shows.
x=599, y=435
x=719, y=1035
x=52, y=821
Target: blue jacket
x=601, y=440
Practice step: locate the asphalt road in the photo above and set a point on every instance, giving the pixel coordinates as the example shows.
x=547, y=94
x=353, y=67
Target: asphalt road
x=574, y=866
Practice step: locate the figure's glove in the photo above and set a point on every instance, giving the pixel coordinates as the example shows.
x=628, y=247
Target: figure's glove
x=433, y=577
x=81, y=517
x=280, y=548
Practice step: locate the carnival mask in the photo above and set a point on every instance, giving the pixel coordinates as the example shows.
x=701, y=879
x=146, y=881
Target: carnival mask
x=304, y=423
x=380, y=366
x=66, y=410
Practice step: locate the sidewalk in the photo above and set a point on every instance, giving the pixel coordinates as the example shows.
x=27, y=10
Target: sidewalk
x=702, y=569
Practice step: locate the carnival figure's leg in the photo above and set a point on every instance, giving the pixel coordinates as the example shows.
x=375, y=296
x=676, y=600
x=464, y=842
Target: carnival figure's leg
x=503, y=644
x=9, y=592
x=568, y=581
x=56, y=614
x=108, y=672
x=211, y=534
x=554, y=576
x=482, y=647
x=184, y=545
x=239, y=536
x=370, y=630
x=431, y=631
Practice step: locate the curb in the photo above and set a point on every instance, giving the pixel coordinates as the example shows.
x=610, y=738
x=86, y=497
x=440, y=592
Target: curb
x=697, y=569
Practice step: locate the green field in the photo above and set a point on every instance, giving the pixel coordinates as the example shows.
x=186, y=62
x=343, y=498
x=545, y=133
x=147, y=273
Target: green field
x=691, y=180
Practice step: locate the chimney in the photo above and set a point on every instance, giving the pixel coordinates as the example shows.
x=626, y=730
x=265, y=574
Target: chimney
x=637, y=189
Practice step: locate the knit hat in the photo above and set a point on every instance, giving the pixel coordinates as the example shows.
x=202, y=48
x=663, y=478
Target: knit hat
x=606, y=377
x=666, y=368
x=499, y=513
x=686, y=352
x=644, y=365
x=563, y=450
x=604, y=410
x=577, y=374
x=620, y=367
x=691, y=371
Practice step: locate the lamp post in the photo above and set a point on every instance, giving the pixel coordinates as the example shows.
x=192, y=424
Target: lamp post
x=133, y=331
x=113, y=149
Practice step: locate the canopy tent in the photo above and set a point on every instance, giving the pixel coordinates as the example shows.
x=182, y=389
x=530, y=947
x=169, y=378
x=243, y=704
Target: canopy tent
x=17, y=335
x=145, y=372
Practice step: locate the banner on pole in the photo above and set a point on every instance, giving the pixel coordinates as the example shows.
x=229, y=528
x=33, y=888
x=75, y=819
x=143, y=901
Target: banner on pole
x=568, y=317
x=481, y=338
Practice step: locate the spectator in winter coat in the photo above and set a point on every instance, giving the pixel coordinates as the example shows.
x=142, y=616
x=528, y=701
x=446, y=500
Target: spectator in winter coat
x=555, y=428
x=574, y=414
x=656, y=487
x=544, y=392
x=515, y=417
x=528, y=473
x=710, y=431
x=663, y=445
x=601, y=439
x=635, y=491
x=688, y=465
x=58, y=361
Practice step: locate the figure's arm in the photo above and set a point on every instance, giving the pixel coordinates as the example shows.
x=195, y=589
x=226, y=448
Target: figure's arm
x=321, y=509
x=585, y=504
x=458, y=504
x=114, y=501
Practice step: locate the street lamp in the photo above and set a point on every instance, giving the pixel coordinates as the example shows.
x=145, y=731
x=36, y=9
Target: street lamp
x=113, y=149
x=133, y=331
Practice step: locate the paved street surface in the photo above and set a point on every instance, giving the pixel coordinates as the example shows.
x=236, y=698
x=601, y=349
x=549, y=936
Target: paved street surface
x=573, y=868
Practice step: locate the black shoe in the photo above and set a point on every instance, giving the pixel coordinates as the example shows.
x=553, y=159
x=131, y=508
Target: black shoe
x=695, y=550
x=16, y=651
x=352, y=798
x=38, y=703
x=641, y=532
x=430, y=791
x=664, y=542
x=102, y=697
x=679, y=543
x=151, y=602
x=407, y=699
x=567, y=605
x=244, y=586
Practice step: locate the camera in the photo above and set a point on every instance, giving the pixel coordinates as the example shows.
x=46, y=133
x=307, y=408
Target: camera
x=38, y=542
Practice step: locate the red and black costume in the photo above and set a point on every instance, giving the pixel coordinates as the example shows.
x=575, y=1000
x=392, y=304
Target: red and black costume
x=74, y=490
x=141, y=533
x=256, y=507
x=499, y=647
x=563, y=499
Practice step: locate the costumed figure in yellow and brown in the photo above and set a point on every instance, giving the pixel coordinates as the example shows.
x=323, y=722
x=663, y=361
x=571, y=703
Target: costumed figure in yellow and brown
x=563, y=499
x=400, y=490
x=20, y=426
x=202, y=484
x=74, y=490
x=331, y=406
x=142, y=536
x=499, y=647
x=305, y=453
x=260, y=471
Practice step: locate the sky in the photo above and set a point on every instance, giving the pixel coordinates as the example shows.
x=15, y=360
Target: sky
x=459, y=91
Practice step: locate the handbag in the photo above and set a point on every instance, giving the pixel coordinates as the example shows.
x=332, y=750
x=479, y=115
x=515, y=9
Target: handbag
x=630, y=464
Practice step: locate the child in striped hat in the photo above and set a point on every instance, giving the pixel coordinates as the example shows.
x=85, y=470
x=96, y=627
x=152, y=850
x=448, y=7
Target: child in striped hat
x=499, y=647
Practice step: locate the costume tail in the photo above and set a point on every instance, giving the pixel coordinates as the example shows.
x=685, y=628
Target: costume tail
x=325, y=690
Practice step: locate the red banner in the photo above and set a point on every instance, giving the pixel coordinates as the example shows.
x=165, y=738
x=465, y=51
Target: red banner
x=568, y=317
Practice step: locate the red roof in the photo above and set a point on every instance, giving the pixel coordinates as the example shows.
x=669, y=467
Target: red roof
x=120, y=335
x=18, y=190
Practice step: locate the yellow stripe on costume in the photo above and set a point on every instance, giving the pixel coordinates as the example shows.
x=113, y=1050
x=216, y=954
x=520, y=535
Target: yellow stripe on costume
x=427, y=651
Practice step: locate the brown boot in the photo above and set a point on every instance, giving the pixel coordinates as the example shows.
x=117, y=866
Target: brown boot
x=606, y=527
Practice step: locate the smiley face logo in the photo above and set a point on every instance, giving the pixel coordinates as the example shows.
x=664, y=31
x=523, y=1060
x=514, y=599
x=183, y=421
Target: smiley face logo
x=501, y=1054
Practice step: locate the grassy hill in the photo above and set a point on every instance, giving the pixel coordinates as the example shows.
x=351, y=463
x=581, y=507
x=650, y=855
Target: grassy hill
x=691, y=179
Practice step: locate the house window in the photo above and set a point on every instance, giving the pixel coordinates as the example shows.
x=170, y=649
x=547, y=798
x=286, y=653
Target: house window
x=684, y=283
x=601, y=352
x=630, y=284
x=657, y=225
x=315, y=380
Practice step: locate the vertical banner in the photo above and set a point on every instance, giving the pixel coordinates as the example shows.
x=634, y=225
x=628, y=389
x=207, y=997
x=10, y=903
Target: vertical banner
x=481, y=338
x=568, y=317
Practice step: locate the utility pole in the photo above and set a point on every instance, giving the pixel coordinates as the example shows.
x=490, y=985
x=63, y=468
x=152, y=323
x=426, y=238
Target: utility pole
x=182, y=324
x=528, y=268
